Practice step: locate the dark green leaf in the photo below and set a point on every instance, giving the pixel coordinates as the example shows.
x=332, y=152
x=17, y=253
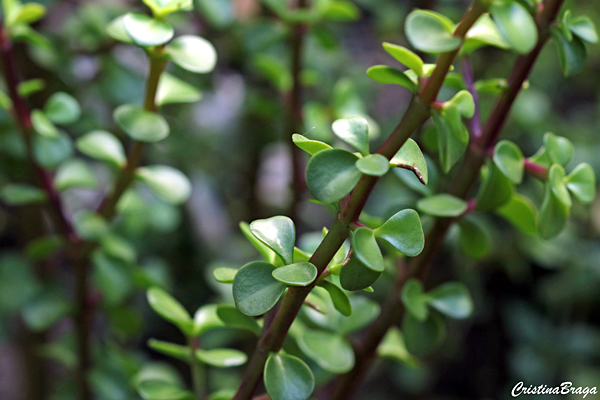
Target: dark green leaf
x=147, y=31
x=474, y=239
x=329, y=350
x=495, y=190
x=520, y=212
x=516, y=25
x=233, y=318
x=170, y=309
x=222, y=358
x=102, y=146
x=278, y=233
x=255, y=291
x=298, y=274
x=140, y=124
x=403, y=231
x=373, y=164
x=582, y=183
x=430, y=32
x=338, y=297
x=288, y=378
x=452, y=299
x=192, y=53
x=20, y=194
x=414, y=299
x=355, y=275
x=332, y=174
x=44, y=247
x=442, y=205
x=509, y=160
x=365, y=248
x=410, y=157
x=572, y=54
x=392, y=76
x=354, y=131
x=421, y=337
x=62, y=108
x=274, y=70
x=553, y=214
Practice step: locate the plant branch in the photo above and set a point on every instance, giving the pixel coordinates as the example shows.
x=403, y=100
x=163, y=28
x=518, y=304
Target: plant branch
x=416, y=114
x=534, y=169
x=475, y=122
x=420, y=265
x=198, y=369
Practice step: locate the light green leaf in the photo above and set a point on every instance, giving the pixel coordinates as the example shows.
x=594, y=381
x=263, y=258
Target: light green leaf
x=233, y=318
x=516, y=25
x=366, y=249
x=463, y=101
x=222, y=358
x=169, y=184
x=288, y=378
x=310, y=146
x=140, y=124
x=406, y=57
x=560, y=149
x=268, y=254
x=103, y=146
x=329, y=350
x=340, y=11
x=442, y=205
x=89, y=225
x=430, y=32
x=279, y=233
x=173, y=90
x=373, y=165
x=474, y=239
x=483, y=32
x=192, y=53
x=410, y=157
x=161, y=390
x=161, y=8
x=414, y=299
x=206, y=319
x=20, y=194
x=25, y=14
x=403, y=231
x=556, y=180
x=393, y=346
x=74, y=173
x=509, y=160
x=553, y=214
x=354, y=131
x=391, y=76
x=572, y=54
x=116, y=30
x=582, y=183
x=147, y=31
x=224, y=275
x=338, y=297
x=29, y=87
x=255, y=291
x=170, y=309
x=332, y=174
x=297, y=274
x=452, y=299
x=177, y=351
x=520, y=212
x=584, y=28
x=452, y=136
x=62, y=108
x=43, y=126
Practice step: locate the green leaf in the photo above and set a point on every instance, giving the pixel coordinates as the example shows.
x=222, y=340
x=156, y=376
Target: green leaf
x=414, y=299
x=173, y=90
x=62, y=108
x=298, y=274
x=222, y=358
x=442, y=205
x=509, y=160
x=571, y=54
x=474, y=239
x=274, y=70
x=483, y=32
x=404, y=232
x=278, y=233
x=169, y=184
x=495, y=190
x=147, y=31
x=391, y=76
x=581, y=182
x=406, y=57
x=116, y=30
x=366, y=249
x=27, y=88
x=373, y=165
x=206, y=318
x=338, y=297
x=516, y=25
x=103, y=146
x=355, y=275
x=354, y=131
x=452, y=136
x=224, y=275
x=50, y=152
x=410, y=157
x=421, y=337
x=464, y=103
x=584, y=28
x=19, y=194
x=74, y=173
x=44, y=247
x=430, y=32
x=192, y=53
x=553, y=214
x=340, y=11
x=560, y=149
x=556, y=180
x=140, y=124
x=288, y=378
x=393, y=346
x=452, y=299
x=520, y=212
x=329, y=350
x=312, y=147
x=42, y=125
x=255, y=291
x=44, y=311
x=268, y=254
x=160, y=390
x=25, y=14
x=233, y=318
x=177, y=351
x=90, y=225
x=161, y=8
x=332, y=174
x=170, y=309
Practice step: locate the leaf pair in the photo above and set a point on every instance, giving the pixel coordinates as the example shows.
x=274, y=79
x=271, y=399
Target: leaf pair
x=451, y=299
x=569, y=38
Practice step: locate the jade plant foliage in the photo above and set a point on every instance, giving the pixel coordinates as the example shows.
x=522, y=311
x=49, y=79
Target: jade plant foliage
x=291, y=200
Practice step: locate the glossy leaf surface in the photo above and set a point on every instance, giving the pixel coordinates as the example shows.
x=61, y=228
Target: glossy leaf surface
x=288, y=378
x=298, y=274
x=332, y=174
x=403, y=231
x=278, y=233
x=255, y=291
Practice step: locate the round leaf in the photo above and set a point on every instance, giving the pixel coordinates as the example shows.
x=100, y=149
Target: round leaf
x=169, y=184
x=403, y=231
x=62, y=108
x=442, y=205
x=556, y=180
x=410, y=157
x=140, y=124
x=298, y=274
x=173, y=90
x=391, y=76
x=582, y=183
x=373, y=164
x=516, y=25
x=366, y=249
x=354, y=131
x=405, y=56
x=103, y=146
x=414, y=299
x=255, y=291
x=222, y=358
x=430, y=32
x=74, y=173
x=332, y=174
x=288, y=378
x=233, y=318
x=170, y=309
x=560, y=149
x=520, y=212
x=474, y=239
x=116, y=30
x=452, y=299
x=509, y=160
x=584, y=28
x=421, y=337
x=355, y=275
x=224, y=275
x=495, y=191
x=278, y=233
x=192, y=53
x=329, y=350
x=310, y=146
x=147, y=31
